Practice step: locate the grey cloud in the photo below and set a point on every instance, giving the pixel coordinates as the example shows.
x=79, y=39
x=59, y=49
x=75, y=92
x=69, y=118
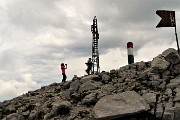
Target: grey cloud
x=10, y=60
x=132, y=11
x=34, y=15
x=113, y=16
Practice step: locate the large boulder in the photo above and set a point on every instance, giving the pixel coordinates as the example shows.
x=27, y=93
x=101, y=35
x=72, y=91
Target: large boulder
x=14, y=116
x=90, y=77
x=177, y=113
x=140, y=66
x=119, y=105
x=174, y=83
x=159, y=64
x=90, y=99
x=175, y=70
x=58, y=108
x=150, y=98
x=62, y=105
x=66, y=85
x=171, y=55
x=144, y=75
x=168, y=112
x=75, y=85
x=89, y=85
x=105, y=78
x=66, y=94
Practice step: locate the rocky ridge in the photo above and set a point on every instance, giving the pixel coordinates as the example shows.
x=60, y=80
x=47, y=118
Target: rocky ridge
x=140, y=91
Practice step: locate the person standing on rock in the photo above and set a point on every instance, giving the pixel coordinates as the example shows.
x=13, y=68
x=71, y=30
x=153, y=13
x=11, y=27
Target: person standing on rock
x=89, y=66
x=63, y=67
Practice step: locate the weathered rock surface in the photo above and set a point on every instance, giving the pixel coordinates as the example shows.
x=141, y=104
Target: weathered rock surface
x=140, y=91
x=119, y=105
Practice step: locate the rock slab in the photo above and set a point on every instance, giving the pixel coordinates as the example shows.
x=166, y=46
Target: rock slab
x=119, y=105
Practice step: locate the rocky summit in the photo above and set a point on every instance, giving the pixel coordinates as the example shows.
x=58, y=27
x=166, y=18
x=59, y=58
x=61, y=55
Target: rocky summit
x=139, y=91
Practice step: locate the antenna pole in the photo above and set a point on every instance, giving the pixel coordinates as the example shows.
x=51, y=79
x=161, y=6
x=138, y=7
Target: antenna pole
x=95, y=51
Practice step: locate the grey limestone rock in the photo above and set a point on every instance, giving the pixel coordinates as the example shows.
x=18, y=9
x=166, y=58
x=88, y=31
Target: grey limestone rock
x=140, y=66
x=144, y=74
x=105, y=78
x=61, y=104
x=66, y=94
x=159, y=110
x=171, y=55
x=10, y=108
x=89, y=85
x=174, y=83
x=90, y=77
x=159, y=64
x=33, y=115
x=177, y=113
x=118, y=105
x=175, y=70
x=66, y=85
x=13, y=116
x=59, y=108
x=90, y=99
x=75, y=85
x=150, y=98
x=153, y=76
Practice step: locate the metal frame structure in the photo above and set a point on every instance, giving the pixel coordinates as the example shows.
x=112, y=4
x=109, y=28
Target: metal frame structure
x=95, y=51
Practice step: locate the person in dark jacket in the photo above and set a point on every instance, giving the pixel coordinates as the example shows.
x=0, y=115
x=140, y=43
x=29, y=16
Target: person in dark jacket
x=89, y=66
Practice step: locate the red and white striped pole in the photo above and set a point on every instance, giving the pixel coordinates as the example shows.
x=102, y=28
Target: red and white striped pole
x=130, y=52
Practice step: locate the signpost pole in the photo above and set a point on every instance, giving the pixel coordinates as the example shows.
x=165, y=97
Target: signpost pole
x=130, y=52
x=177, y=40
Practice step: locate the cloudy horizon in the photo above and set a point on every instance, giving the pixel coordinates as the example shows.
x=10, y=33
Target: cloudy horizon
x=36, y=36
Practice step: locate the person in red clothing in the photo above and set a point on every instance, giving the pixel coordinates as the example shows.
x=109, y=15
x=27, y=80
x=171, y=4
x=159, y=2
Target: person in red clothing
x=63, y=71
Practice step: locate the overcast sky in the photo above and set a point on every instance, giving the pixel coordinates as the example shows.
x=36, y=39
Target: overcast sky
x=36, y=36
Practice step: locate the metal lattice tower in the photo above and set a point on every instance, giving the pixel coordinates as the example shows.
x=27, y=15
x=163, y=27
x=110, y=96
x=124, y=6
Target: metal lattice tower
x=95, y=52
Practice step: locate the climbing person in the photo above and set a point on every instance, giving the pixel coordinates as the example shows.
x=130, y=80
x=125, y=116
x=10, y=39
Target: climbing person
x=63, y=67
x=89, y=66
